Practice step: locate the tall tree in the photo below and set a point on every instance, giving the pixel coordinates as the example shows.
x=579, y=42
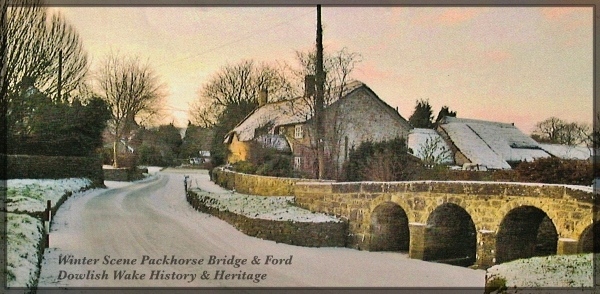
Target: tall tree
x=133, y=91
x=30, y=44
x=3, y=77
x=422, y=117
x=36, y=40
x=238, y=84
x=231, y=94
x=558, y=131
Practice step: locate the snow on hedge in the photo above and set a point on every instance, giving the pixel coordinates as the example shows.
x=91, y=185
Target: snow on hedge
x=30, y=195
x=548, y=271
x=262, y=207
x=23, y=237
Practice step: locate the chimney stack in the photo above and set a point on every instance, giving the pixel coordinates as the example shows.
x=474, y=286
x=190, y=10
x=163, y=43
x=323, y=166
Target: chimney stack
x=262, y=97
x=309, y=86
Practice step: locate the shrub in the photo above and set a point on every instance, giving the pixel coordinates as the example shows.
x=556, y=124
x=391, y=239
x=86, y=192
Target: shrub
x=556, y=171
x=245, y=167
x=276, y=166
x=382, y=161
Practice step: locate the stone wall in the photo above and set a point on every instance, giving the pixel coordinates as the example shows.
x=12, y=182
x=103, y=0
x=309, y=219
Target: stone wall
x=309, y=234
x=254, y=184
x=53, y=167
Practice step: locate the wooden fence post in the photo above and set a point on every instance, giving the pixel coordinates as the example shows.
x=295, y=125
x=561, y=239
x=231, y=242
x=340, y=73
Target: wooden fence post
x=47, y=220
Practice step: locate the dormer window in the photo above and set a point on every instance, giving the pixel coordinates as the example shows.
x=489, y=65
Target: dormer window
x=298, y=132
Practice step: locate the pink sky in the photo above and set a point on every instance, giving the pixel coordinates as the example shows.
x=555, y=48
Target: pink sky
x=509, y=64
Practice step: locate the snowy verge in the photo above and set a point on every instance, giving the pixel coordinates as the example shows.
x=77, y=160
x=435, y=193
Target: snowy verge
x=555, y=271
x=24, y=232
x=279, y=208
x=24, y=235
x=30, y=195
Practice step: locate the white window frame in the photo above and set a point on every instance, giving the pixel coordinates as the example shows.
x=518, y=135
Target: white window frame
x=297, y=162
x=298, y=133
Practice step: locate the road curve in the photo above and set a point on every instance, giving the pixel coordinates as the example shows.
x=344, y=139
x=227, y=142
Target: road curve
x=150, y=229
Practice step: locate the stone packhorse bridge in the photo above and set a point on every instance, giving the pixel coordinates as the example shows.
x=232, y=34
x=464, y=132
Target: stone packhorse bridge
x=463, y=223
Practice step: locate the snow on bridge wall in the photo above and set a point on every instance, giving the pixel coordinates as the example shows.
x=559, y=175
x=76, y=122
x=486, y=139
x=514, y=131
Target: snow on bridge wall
x=465, y=223
x=254, y=184
x=497, y=221
x=309, y=234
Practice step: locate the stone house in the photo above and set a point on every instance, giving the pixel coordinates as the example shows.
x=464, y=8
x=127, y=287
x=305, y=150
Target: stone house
x=356, y=115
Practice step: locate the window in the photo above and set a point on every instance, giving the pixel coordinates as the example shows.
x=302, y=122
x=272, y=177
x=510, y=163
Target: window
x=282, y=130
x=297, y=162
x=298, y=132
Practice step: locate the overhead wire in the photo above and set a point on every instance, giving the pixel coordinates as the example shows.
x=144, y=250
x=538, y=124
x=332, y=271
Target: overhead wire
x=247, y=36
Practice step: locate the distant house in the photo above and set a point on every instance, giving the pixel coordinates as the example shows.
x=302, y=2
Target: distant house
x=491, y=145
x=356, y=116
x=568, y=152
x=429, y=146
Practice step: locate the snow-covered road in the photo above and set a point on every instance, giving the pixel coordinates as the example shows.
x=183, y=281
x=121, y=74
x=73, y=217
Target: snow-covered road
x=145, y=234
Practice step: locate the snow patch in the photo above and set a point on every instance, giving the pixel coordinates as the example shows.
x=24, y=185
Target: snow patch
x=30, y=195
x=263, y=207
x=548, y=271
x=23, y=234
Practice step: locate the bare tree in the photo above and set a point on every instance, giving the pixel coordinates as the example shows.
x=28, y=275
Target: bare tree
x=38, y=46
x=133, y=91
x=557, y=131
x=434, y=151
x=3, y=76
x=237, y=84
x=338, y=67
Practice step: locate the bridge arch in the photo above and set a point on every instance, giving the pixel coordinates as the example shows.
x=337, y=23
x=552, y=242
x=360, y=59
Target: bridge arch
x=389, y=228
x=524, y=232
x=450, y=236
x=587, y=242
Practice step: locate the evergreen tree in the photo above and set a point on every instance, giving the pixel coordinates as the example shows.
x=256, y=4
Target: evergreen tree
x=445, y=111
x=422, y=117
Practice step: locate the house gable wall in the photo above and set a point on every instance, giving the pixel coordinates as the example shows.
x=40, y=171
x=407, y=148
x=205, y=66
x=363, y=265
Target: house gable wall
x=238, y=150
x=361, y=117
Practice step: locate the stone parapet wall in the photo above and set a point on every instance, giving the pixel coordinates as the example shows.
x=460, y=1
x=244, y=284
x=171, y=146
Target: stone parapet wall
x=254, y=184
x=53, y=167
x=309, y=234
x=487, y=203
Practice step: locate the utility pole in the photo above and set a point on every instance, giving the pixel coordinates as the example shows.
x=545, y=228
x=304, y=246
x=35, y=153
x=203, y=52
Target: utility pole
x=319, y=98
x=59, y=87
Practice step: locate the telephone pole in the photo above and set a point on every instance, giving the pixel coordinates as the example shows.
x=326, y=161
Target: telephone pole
x=59, y=87
x=319, y=98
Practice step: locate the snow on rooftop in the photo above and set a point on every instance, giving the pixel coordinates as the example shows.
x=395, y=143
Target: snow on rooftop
x=280, y=113
x=419, y=140
x=492, y=144
x=273, y=114
x=568, y=152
